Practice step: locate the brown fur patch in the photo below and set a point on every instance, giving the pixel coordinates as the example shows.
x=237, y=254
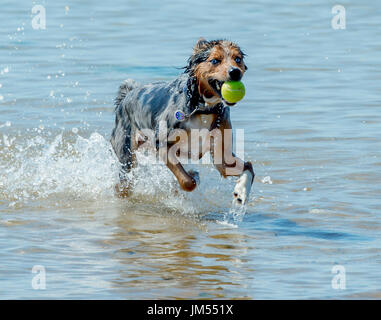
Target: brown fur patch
x=225, y=52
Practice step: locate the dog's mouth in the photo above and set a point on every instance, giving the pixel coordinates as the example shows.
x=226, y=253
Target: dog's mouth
x=216, y=86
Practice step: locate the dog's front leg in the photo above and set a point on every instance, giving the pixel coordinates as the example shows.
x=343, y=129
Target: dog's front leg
x=243, y=186
x=187, y=180
x=246, y=178
x=228, y=164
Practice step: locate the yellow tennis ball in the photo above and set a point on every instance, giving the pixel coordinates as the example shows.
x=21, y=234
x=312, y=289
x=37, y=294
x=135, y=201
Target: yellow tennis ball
x=233, y=91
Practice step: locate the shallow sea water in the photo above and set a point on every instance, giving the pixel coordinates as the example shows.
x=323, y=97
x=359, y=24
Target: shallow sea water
x=312, y=123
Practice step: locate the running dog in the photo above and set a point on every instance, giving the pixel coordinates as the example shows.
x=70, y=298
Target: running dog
x=191, y=101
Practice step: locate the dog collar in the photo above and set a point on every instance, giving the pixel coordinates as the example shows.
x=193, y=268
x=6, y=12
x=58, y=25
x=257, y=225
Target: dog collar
x=182, y=116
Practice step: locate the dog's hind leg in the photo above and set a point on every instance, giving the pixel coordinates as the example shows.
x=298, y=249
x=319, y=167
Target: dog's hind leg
x=123, y=148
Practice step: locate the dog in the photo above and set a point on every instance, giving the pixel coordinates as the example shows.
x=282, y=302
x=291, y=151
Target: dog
x=191, y=101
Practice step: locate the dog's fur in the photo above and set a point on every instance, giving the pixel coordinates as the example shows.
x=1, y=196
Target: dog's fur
x=145, y=106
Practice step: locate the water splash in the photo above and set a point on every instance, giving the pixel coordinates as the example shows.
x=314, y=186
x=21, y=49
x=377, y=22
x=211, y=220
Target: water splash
x=69, y=165
x=155, y=183
x=235, y=214
x=64, y=167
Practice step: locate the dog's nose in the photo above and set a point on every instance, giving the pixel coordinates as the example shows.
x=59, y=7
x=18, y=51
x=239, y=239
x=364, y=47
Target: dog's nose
x=235, y=74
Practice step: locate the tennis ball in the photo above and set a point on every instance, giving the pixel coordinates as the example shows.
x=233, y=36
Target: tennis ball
x=233, y=91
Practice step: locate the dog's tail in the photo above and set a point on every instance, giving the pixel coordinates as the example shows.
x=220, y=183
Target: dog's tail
x=125, y=87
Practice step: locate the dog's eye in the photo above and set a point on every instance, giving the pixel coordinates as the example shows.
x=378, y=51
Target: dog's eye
x=214, y=61
x=238, y=60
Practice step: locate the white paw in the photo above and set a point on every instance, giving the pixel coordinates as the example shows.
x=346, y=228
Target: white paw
x=242, y=188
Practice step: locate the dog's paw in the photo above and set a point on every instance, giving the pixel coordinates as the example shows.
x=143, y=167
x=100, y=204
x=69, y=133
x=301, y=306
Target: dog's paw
x=242, y=189
x=195, y=175
x=122, y=190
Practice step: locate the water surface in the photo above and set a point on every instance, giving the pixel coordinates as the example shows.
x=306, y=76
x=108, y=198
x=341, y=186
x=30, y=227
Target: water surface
x=312, y=121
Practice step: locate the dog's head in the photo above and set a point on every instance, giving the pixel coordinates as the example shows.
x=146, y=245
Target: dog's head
x=213, y=63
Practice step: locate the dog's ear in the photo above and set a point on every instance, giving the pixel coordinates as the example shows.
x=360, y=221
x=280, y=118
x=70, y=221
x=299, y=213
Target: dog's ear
x=201, y=43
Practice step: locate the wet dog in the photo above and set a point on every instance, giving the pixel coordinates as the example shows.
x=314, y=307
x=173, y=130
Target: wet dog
x=193, y=101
